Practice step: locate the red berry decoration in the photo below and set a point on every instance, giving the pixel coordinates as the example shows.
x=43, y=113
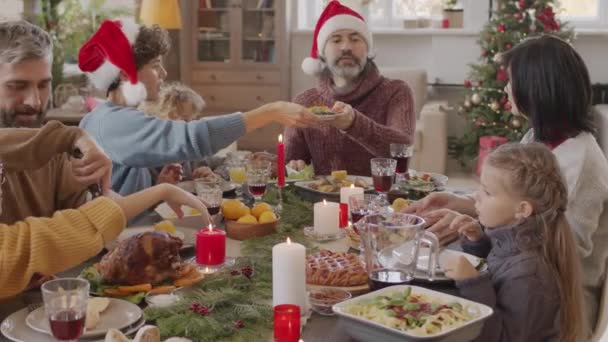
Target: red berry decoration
x=234, y=273
x=501, y=28
x=202, y=310
x=239, y=324
x=247, y=271
x=467, y=83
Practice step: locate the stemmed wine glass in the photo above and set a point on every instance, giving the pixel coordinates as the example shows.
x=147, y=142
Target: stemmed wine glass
x=258, y=172
x=65, y=303
x=211, y=193
x=238, y=175
x=383, y=174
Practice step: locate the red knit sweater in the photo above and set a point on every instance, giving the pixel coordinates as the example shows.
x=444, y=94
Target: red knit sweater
x=384, y=114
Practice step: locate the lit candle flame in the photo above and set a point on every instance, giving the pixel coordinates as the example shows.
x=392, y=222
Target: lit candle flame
x=350, y=224
x=352, y=186
x=207, y=270
x=324, y=202
x=210, y=227
x=288, y=240
x=280, y=138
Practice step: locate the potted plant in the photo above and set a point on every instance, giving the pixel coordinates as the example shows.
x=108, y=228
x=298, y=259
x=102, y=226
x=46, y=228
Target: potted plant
x=453, y=14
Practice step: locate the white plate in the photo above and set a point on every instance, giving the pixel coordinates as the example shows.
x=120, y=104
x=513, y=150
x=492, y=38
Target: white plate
x=306, y=185
x=402, y=253
x=130, y=232
x=167, y=213
x=15, y=329
x=119, y=315
x=366, y=330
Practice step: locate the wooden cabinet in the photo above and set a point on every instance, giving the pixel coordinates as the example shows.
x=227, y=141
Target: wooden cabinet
x=235, y=52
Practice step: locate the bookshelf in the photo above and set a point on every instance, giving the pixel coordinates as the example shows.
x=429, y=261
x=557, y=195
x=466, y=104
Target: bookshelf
x=235, y=52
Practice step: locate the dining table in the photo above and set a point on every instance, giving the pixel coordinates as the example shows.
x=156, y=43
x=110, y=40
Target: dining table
x=316, y=327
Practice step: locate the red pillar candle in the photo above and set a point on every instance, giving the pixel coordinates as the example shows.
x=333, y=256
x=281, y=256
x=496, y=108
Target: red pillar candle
x=287, y=323
x=210, y=246
x=343, y=215
x=281, y=162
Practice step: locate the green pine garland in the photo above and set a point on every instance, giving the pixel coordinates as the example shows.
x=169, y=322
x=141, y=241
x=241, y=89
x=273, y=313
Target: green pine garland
x=511, y=23
x=237, y=307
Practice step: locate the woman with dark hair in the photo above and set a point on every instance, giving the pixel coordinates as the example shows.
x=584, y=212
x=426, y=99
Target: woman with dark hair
x=550, y=86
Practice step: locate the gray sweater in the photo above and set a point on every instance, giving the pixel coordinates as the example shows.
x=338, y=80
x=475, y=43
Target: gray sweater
x=518, y=286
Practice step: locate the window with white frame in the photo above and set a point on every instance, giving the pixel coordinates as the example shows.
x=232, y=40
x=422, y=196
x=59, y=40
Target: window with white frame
x=380, y=14
x=11, y=10
x=584, y=13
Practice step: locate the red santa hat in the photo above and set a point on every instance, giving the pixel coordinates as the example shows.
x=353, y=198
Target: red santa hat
x=108, y=53
x=335, y=17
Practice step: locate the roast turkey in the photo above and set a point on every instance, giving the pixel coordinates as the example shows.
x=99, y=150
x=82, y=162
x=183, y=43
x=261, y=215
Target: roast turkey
x=149, y=257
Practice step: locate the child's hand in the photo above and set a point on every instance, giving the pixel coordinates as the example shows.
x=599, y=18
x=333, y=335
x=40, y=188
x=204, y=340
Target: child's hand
x=467, y=226
x=171, y=174
x=176, y=197
x=459, y=268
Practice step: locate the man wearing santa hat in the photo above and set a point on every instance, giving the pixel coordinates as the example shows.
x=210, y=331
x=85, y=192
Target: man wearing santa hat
x=373, y=110
x=125, y=60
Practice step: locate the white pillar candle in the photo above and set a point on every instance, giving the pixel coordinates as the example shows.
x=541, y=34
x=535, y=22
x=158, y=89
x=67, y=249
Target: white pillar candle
x=327, y=217
x=289, y=274
x=346, y=192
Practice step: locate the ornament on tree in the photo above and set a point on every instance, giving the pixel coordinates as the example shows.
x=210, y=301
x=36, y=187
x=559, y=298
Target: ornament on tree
x=501, y=28
x=467, y=84
x=503, y=100
x=479, y=122
x=518, y=15
x=460, y=109
x=508, y=47
x=501, y=74
x=479, y=83
x=515, y=123
x=508, y=106
x=521, y=4
x=467, y=104
x=497, y=58
x=475, y=99
x=494, y=106
x=485, y=53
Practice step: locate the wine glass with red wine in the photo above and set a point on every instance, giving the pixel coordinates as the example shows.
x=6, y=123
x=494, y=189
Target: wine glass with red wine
x=383, y=175
x=65, y=303
x=402, y=154
x=361, y=205
x=258, y=172
x=211, y=193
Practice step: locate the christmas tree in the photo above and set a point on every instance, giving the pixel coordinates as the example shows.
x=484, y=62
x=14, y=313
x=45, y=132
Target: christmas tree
x=485, y=107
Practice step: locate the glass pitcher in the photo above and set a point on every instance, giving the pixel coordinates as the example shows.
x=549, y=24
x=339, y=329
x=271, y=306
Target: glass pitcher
x=392, y=248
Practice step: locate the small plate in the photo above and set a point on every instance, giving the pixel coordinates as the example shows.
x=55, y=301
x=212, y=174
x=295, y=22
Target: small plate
x=167, y=213
x=15, y=329
x=310, y=232
x=188, y=185
x=119, y=314
x=306, y=185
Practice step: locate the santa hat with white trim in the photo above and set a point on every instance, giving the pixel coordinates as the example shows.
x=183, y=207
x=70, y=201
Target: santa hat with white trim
x=108, y=53
x=335, y=17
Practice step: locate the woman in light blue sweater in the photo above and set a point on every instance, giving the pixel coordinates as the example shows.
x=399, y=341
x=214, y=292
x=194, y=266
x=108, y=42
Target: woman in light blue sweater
x=125, y=60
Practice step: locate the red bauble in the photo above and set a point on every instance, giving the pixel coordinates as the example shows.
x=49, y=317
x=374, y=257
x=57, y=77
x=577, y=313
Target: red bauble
x=501, y=75
x=503, y=100
x=508, y=106
x=485, y=53
x=467, y=84
x=508, y=47
x=501, y=28
x=518, y=16
x=522, y=4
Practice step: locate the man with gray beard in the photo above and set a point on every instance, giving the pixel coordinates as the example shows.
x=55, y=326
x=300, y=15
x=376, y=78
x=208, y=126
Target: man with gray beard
x=373, y=110
x=25, y=89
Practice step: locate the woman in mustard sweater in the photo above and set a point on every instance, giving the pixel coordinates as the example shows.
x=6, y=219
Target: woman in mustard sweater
x=45, y=246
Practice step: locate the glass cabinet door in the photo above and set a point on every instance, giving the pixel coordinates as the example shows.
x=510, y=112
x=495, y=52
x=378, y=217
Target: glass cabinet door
x=213, y=36
x=258, y=31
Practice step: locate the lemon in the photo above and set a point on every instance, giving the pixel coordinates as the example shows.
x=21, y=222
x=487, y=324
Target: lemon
x=399, y=204
x=267, y=216
x=234, y=209
x=165, y=226
x=260, y=208
x=339, y=175
x=250, y=219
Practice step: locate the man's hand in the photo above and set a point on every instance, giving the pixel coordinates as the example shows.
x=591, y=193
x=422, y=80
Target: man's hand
x=171, y=174
x=94, y=166
x=346, y=115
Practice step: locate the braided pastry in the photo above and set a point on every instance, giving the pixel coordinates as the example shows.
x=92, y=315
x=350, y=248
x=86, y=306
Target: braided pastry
x=335, y=269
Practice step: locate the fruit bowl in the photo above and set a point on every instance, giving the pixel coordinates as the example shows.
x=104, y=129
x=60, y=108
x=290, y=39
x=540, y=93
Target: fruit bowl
x=243, y=231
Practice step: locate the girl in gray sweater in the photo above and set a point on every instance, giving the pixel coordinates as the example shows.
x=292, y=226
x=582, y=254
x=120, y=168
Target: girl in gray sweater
x=533, y=282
